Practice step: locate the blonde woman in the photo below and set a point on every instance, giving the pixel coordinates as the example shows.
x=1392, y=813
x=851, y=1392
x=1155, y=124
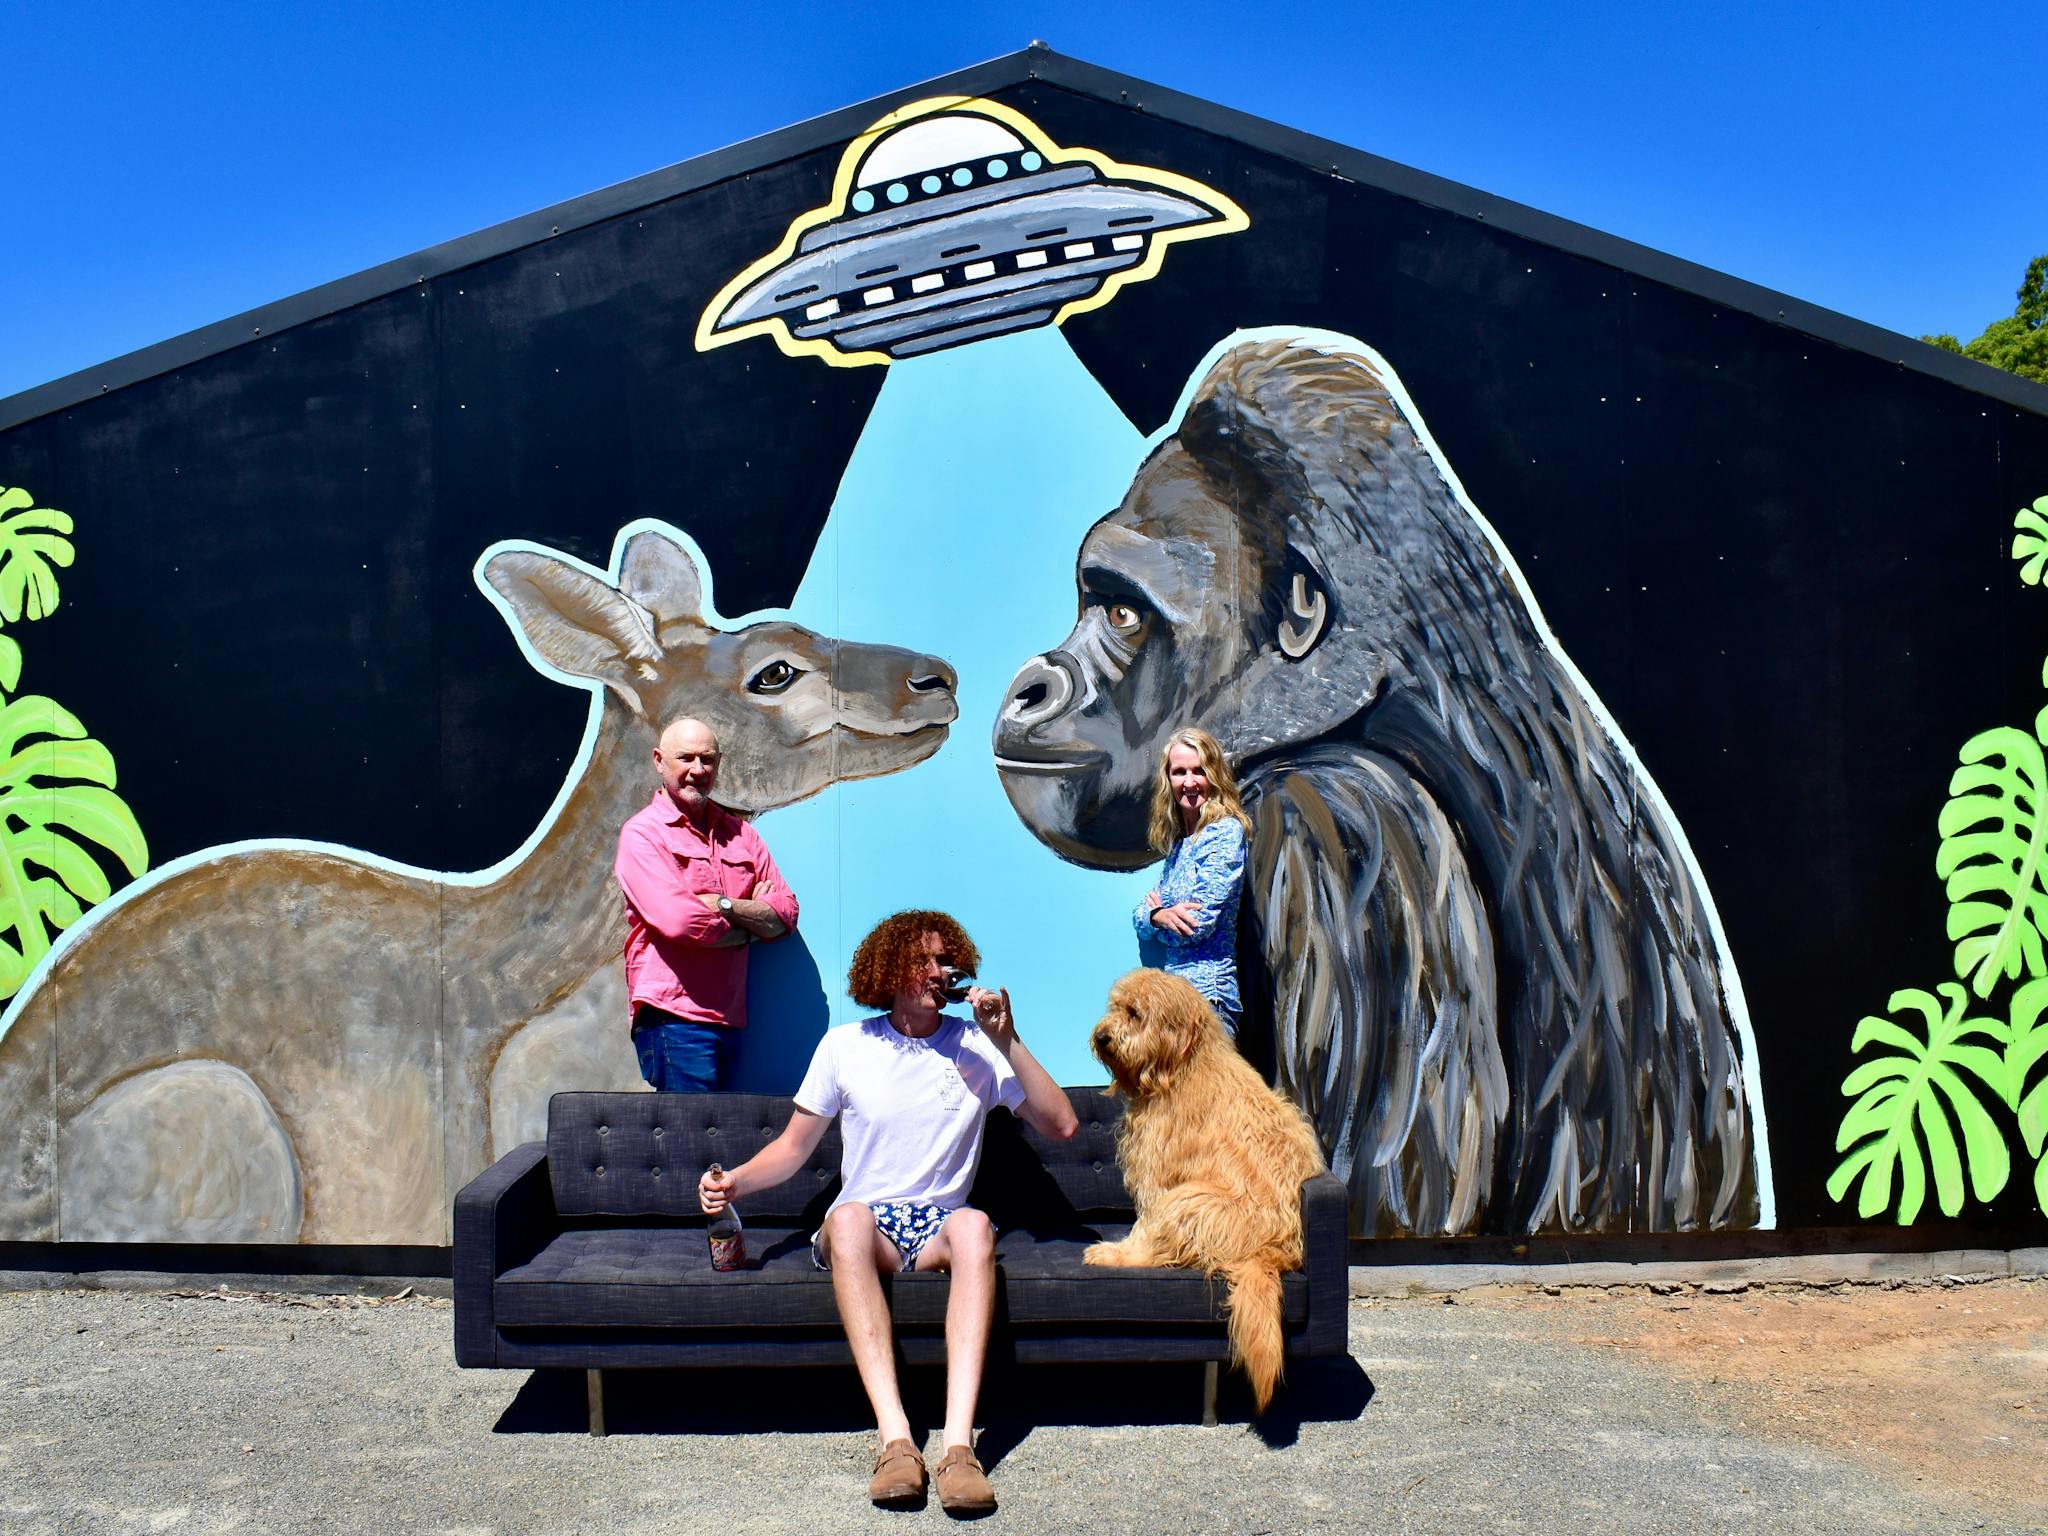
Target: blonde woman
x=1187, y=923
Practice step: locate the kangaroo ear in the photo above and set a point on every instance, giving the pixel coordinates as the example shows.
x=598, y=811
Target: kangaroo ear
x=660, y=576
x=575, y=622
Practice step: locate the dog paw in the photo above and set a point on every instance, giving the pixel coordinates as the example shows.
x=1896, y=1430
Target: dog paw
x=1110, y=1255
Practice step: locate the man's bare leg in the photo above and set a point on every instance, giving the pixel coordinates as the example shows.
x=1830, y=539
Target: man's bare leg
x=859, y=1255
x=964, y=1245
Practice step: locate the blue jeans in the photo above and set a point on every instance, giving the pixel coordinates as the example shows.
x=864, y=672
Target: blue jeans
x=682, y=1055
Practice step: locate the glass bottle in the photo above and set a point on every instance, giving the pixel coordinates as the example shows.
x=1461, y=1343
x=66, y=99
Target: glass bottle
x=728, y=1239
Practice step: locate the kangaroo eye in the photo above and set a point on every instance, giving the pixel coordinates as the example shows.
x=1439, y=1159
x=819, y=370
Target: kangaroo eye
x=773, y=678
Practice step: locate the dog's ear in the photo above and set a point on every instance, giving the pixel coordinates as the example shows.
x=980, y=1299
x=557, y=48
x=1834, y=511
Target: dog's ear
x=1171, y=1019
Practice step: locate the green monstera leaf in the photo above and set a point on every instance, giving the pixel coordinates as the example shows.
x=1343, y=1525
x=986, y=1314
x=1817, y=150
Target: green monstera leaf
x=57, y=803
x=2026, y=1057
x=1924, y=1093
x=1994, y=856
x=2030, y=540
x=32, y=540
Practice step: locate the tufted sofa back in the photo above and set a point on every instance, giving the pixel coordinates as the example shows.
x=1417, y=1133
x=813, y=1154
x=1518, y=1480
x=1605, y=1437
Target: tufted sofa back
x=639, y=1155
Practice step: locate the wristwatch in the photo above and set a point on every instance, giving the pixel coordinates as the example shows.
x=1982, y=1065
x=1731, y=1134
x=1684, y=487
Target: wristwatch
x=725, y=906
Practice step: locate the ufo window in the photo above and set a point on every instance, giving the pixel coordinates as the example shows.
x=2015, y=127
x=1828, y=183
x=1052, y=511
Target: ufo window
x=1079, y=249
x=863, y=201
x=825, y=309
x=962, y=176
x=1127, y=242
x=898, y=191
x=927, y=282
x=1030, y=160
x=1031, y=258
x=997, y=170
x=977, y=270
x=878, y=295
x=931, y=184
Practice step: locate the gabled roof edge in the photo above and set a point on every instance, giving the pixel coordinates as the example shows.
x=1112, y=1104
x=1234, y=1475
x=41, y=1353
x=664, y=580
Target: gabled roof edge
x=513, y=234
x=1035, y=62
x=1548, y=229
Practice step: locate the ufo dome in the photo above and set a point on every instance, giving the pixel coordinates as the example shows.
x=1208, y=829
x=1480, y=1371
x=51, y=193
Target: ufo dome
x=933, y=143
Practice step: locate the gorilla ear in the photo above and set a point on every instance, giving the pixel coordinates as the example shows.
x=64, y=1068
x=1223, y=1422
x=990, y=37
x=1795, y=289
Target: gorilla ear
x=1308, y=616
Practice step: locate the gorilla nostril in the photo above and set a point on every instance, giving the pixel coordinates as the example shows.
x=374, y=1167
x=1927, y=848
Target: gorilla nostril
x=931, y=683
x=1040, y=688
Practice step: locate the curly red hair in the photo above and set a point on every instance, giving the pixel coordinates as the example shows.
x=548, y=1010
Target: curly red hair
x=890, y=958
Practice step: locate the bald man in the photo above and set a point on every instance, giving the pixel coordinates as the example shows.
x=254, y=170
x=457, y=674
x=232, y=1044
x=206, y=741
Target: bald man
x=700, y=887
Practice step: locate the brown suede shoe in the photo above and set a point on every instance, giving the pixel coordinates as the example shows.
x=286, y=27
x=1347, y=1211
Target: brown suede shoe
x=963, y=1487
x=898, y=1482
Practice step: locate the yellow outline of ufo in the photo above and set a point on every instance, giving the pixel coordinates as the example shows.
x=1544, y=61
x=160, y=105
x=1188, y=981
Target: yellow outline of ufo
x=1231, y=220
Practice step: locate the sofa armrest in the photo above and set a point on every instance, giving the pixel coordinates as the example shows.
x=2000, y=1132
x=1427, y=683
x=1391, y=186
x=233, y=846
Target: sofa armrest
x=1325, y=1259
x=503, y=1217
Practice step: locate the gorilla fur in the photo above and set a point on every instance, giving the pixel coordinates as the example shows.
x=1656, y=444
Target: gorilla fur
x=1493, y=984
x=1213, y=1158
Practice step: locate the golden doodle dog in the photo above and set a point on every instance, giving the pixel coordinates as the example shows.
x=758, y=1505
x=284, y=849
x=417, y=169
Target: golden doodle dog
x=1214, y=1159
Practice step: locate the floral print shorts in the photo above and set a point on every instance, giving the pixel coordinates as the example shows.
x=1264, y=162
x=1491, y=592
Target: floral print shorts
x=909, y=1224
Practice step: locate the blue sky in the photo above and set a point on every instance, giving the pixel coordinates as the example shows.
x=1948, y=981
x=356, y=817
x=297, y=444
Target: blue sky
x=167, y=166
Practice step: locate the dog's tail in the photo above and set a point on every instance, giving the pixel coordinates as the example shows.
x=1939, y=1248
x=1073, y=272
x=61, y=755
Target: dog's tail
x=1255, y=1339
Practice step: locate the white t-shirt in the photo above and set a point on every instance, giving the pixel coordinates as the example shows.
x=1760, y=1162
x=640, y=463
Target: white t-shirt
x=910, y=1111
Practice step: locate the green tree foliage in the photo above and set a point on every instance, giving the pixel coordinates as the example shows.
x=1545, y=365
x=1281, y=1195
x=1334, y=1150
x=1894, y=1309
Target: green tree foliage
x=2018, y=343
x=1923, y=1102
x=60, y=820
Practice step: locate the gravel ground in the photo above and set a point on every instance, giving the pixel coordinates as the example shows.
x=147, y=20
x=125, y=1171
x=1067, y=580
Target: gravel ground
x=1504, y=1411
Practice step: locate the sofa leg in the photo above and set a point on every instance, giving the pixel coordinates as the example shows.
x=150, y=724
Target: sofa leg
x=1210, y=1371
x=594, y=1383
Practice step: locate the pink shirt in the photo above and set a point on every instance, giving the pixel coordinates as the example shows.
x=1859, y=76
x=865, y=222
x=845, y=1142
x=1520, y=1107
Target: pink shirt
x=664, y=861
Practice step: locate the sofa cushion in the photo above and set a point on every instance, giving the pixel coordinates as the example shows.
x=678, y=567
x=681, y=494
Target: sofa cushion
x=1082, y=1174
x=1045, y=1282
x=661, y=1277
x=640, y=1154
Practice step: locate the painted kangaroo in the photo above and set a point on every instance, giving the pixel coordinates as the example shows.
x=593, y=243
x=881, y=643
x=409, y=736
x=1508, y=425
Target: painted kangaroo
x=280, y=1043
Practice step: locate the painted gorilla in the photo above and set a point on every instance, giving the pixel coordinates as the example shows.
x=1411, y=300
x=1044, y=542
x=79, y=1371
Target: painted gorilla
x=1492, y=978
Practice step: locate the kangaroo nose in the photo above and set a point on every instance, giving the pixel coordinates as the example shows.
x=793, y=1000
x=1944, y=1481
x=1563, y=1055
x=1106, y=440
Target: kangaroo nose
x=1040, y=690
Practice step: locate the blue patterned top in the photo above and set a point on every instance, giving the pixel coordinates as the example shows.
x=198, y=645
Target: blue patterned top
x=1206, y=868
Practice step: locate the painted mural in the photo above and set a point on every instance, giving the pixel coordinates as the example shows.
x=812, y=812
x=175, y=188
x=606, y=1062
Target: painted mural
x=298, y=1043
x=61, y=821
x=962, y=377
x=1941, y=1089
x=1438, y=800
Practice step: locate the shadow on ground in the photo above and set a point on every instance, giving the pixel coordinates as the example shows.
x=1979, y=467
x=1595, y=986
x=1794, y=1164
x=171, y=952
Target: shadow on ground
x=1015, y=1400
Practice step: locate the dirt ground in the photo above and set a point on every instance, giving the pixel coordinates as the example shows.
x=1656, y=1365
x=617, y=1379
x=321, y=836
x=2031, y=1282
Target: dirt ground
x=1753, y=1410
x=1945, y=1385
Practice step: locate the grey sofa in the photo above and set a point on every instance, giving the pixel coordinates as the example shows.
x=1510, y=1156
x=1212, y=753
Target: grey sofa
x=587, y=1252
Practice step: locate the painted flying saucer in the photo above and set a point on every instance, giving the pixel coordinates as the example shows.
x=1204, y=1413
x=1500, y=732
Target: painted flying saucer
x=955, y=220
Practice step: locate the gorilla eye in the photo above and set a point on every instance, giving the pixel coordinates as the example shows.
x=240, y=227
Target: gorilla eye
x=773, y=678
x=1125, y=619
